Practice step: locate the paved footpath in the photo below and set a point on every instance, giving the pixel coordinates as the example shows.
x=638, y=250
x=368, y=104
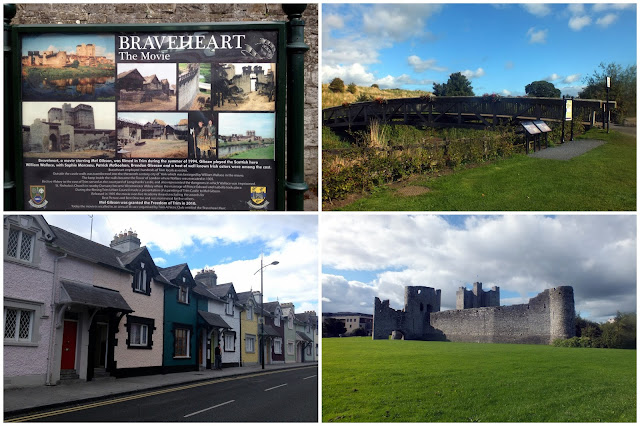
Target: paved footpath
x=22, y=400
x=568, y=150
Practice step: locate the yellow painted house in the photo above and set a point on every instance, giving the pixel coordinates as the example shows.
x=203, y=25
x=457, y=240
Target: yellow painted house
x=249, y=328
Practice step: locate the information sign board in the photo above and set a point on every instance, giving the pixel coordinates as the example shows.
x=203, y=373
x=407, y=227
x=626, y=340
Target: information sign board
x=568, y=110
x=530, y=128
x=180, y=117
x=544, y=128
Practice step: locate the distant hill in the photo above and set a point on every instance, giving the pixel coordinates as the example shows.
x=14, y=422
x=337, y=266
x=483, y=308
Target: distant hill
x=331, y=99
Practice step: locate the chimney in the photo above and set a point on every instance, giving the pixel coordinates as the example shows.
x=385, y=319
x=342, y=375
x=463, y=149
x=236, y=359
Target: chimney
x=207, y=277
x=258, y=296
x=125, y=241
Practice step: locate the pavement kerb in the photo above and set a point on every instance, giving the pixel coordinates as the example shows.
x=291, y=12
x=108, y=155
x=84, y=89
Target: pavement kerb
x=39, y=408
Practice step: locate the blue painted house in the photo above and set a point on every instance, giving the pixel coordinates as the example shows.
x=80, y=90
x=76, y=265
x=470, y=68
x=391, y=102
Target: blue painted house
x=182, y=335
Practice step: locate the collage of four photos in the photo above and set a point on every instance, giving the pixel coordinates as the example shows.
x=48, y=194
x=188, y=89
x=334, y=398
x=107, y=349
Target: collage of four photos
x=323, y=212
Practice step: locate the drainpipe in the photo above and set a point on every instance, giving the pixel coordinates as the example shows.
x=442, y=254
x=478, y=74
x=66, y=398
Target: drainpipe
x=52, y=334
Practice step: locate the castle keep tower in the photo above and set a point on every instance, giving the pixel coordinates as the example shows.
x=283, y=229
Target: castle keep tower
x=413, y=321
x=562, y=313
x=476, y=298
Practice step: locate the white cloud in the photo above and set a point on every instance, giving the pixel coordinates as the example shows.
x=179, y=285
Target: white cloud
x=505, y=92
x=420, y=65
x=600, y=7
x=553, y=77
x=571, y=90
x=332, y=21
x=160, y=261
x=539, y=36
x=595, y=254
x=576, y=8
x=606, y=20
x=576, y=23
x=473, y=74
x=349, y=73
x=537, y=9
x=398, y=22
x=571, y=78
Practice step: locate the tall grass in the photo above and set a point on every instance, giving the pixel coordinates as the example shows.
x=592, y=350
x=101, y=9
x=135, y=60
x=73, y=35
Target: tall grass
x=331, y=99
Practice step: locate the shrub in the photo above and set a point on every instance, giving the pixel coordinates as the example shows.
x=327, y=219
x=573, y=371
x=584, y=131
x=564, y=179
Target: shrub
x=352, y=88
x=336, y=85
x=375, y=86
x=362, y=97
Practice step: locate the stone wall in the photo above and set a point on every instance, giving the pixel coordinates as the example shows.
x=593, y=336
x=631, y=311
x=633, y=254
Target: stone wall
x=145, y=13
x=188, y=86
x=548, y=316
x=413, y=320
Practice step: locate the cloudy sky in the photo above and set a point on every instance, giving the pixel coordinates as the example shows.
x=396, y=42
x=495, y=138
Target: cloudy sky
x=500, y=47
x=231, y=244
x=104, y=113
x=105, y=44
x=364, y=256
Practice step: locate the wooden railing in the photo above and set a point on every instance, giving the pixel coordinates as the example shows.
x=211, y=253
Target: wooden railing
x=461, y=111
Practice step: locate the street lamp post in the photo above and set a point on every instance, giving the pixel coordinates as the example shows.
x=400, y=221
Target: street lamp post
x=275, y=262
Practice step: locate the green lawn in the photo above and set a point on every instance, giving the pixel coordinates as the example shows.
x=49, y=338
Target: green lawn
x=602, y=179
x=265, y=153
x=411, y=381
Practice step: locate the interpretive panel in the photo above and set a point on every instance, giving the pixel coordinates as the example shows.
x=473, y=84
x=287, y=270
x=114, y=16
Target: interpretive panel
x=161, y=120
x=530, y=127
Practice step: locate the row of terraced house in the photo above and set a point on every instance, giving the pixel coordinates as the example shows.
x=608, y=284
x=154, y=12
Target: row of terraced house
x=75, y=309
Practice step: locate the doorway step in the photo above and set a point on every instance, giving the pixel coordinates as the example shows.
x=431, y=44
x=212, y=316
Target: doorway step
x=102, y=374
x=69, y=377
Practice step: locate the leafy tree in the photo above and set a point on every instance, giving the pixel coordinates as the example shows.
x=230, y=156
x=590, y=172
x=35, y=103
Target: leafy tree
x=621, y=333
x=457, y=85
x=375, y=86
x=358, y=332
x=336, y=85
x=439, y=89
x=363, y=97
x=332, y=327
x=542, y=89
x=75, y=64
x=351, y=88
x=623, y=88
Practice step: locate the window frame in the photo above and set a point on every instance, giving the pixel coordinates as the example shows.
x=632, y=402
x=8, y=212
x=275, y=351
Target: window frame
x=252, y=338
x=148, y=323
x=250, y=312
x=141, y=276
x=38, y=314
x=277, y=340
x=188, y=330
x=17, y=257
x=290, y=321
x=229, y=305
x=183, y=290
x=229, y=334
x=291, y=345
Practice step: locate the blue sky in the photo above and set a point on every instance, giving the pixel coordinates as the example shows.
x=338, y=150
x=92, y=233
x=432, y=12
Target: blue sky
x=239, y=122
x=500, y=47
x=230, y=244
x=366, y=256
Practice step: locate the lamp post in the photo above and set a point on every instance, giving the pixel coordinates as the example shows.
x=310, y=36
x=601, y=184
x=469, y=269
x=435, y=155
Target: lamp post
x=275, y=262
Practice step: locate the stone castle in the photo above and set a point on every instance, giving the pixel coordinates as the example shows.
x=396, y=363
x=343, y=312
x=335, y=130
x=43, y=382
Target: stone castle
x=85, y=54
x=478, y=318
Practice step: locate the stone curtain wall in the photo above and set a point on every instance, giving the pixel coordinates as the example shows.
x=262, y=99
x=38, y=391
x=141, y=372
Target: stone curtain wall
x=188, y=87
x=548, y=316
x=205, y=12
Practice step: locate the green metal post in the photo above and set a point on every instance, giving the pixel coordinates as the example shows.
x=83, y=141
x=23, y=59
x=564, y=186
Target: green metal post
x=9, y=116
x=296, y=48
x=563, y=117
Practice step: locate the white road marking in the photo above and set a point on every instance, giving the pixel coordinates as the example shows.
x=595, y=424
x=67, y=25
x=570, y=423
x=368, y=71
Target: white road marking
x=210, y=408
x=310, y=377
x=275, y=387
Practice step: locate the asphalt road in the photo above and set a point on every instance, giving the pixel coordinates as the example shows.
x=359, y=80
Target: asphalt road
x=276, y=396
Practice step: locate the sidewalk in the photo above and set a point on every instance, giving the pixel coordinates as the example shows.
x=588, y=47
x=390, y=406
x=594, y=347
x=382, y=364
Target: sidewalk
x=22, y=400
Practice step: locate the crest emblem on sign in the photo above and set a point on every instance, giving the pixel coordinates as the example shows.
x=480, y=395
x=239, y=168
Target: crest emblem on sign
x=38, y=196
x=258, y=197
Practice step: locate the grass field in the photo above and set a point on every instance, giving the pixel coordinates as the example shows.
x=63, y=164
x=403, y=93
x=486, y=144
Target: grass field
x=600, y=180
x=265, y=152
x=411, y=381
x=331, y=99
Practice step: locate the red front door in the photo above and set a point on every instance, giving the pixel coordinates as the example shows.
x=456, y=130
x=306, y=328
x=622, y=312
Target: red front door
x=69, y=345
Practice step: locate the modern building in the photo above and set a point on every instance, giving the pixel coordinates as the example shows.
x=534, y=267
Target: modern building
x=352, y=320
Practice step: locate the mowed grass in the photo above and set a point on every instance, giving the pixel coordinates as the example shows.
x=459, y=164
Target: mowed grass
x=366, y=380
x=265, y=152
x=599, y=180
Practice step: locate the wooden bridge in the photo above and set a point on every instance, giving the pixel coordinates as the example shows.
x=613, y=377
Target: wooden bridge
x=461, y=111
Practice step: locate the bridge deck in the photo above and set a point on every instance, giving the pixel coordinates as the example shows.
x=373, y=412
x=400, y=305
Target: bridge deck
x=460, y=111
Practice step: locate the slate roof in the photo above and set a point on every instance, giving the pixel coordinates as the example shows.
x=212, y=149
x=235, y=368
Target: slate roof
x=269, y=331
x=244, y=296
x=271, y=306
x=172, y=272
x=220, y=290
x=130, y=256
x=130, y=73
x=301, y=336
x=214, y=320
x=203, y=290
x=86, y=249
x=89, y=295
